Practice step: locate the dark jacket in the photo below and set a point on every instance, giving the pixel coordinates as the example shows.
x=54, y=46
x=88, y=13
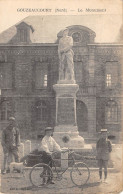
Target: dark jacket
x=10, y=137
x=103, y=148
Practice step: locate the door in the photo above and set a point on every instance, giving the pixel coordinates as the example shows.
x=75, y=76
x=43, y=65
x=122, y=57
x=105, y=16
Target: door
x=82, y=116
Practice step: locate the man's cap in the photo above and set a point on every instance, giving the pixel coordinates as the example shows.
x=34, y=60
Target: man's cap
x=48, y=129
x=11, y=119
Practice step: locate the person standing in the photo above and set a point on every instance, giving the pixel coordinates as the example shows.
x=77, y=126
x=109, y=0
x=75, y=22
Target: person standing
x=10, y=143
x=103, y=147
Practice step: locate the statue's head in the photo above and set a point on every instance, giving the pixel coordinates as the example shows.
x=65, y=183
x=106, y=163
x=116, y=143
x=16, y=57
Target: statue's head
x=65, y=31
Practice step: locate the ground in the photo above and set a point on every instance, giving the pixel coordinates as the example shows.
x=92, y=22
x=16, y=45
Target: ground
x=16, y=183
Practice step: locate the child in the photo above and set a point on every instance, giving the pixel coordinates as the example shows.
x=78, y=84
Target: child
x=103, y=148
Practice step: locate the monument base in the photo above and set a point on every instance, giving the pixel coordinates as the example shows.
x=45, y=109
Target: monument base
x=66, y=131
x=66, y=82
x=69, y=138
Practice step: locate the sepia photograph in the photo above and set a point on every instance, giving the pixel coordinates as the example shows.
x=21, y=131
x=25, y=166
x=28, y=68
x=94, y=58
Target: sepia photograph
x=61, y=97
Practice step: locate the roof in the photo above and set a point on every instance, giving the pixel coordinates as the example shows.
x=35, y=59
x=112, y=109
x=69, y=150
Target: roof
x=47, y=27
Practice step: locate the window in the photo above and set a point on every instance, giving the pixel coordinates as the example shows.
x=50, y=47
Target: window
x=41, y=78
x=5, y=75
x=5, y=111
x=45, y=80
x=111, y=111
x=41, y=111
x=81, y=73
x=111, y=75
x=108, y=80
x=76, y=37
x=23, y=35
x=78, y=72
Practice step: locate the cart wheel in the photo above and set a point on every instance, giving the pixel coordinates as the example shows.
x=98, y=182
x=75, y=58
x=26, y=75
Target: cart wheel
x=80, y=174
x=41, y=175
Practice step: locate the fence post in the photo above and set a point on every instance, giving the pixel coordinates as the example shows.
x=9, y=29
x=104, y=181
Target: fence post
x=64, y=159
x=21, y=150
x=27, y=147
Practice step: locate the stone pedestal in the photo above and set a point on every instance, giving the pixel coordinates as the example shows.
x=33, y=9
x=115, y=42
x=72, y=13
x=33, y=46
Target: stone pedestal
x=66, y=130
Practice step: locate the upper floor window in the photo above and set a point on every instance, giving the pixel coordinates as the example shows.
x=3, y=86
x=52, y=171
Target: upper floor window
x=5, y=110
x=76, y=37
x=111, y=74
x=78, y=71
x=108, y=80
x=41, y=111
x=41, y=79
x=81, y=73
x=22, y=75
x=23, y=35
x=45, y=80
x=5, y=75
x=111, y=112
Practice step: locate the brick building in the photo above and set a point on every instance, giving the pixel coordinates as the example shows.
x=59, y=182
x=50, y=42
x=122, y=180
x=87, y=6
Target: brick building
x=28, y=71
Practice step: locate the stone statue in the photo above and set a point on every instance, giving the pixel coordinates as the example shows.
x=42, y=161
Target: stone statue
x=65, y=52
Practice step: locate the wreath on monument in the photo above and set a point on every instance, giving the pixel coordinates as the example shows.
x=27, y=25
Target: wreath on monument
x=65, y=138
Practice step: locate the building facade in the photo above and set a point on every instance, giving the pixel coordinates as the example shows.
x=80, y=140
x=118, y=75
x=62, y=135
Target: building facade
x=29, y=70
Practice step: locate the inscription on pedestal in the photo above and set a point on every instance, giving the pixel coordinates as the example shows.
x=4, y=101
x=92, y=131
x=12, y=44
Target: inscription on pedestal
x=66, y=114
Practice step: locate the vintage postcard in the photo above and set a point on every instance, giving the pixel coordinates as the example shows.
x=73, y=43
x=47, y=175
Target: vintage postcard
x=61, y=96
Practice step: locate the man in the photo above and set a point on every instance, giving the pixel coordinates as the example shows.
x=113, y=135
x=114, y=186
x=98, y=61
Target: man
x=104, y=148
x=66, y=72
x=10, y=143
x=49, y=145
